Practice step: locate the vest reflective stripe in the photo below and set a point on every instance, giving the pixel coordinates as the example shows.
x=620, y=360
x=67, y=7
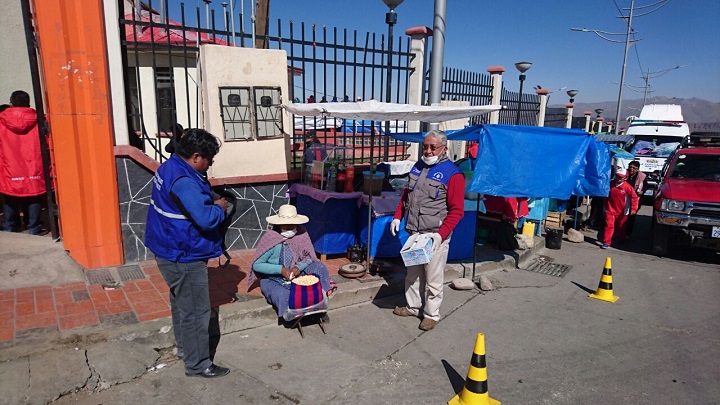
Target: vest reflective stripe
x=166, y=214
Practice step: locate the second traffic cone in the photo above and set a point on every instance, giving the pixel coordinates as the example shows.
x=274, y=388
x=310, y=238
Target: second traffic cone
x=475, y=391
x=605, y=288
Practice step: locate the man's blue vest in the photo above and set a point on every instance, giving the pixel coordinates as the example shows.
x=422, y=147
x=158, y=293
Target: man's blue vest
x=427, y=198
x=169, y=234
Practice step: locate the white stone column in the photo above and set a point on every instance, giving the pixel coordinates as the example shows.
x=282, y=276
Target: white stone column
x=416, y=81
x=587, y=114
x=610, y=127
x=115, y=72
x=496, y=81
x=543, y=95
x=599, y=123
x=569, y=114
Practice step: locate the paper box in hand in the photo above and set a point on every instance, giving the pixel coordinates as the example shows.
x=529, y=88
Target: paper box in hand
x=417, y=250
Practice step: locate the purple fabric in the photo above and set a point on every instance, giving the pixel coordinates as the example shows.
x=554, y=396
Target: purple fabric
x=300, y=245
x=383, y=205
x=321, y=195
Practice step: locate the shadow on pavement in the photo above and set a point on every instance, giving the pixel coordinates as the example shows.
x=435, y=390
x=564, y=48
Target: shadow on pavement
x=457, y=381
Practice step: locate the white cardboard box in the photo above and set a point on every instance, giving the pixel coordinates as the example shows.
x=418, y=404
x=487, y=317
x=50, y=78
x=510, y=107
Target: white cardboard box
x=417, y=250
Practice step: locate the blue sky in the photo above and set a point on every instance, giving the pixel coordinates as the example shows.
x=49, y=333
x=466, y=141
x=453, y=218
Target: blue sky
x=483, y=33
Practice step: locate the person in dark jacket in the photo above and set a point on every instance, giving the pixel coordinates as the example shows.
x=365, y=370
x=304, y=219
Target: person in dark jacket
x=22, y=179
x=636, y=178
x=183, y=232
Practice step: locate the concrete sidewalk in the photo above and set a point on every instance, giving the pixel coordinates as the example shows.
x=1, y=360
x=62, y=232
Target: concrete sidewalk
x=61, y=324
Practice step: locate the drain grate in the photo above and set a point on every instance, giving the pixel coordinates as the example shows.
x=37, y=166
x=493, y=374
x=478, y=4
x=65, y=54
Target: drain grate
x=550, y=269
x=132, y=272
x=99, y=276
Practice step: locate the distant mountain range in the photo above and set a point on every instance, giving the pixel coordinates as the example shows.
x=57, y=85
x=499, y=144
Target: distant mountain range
x=698, y=113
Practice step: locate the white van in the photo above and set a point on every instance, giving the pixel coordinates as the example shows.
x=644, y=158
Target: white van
x=656, y=133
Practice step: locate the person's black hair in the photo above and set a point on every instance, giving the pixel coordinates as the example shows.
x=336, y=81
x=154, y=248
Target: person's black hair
x=200, y=141
x=635, y=163
x=177, y=133
x=4, y=107
x=19, y=98
x=312, y=135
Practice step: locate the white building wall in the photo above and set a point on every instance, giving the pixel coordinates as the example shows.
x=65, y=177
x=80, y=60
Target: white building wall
x=14, y=63
x=228, y=66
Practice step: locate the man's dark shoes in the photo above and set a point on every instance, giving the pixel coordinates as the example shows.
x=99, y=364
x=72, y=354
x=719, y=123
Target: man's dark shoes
x=211, y=372
x=40, y=232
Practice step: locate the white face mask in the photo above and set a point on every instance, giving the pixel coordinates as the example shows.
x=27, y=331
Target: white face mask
x=288, y=234
x=430, y=160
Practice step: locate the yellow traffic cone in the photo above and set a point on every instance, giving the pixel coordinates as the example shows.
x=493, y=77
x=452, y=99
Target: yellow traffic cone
x=604, y=291
x=475, y=391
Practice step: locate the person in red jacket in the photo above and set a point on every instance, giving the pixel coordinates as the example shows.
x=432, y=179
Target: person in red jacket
x=621, y=202
x=21, y=169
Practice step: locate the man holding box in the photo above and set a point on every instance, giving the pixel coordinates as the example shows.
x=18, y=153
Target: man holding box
x=432, y=204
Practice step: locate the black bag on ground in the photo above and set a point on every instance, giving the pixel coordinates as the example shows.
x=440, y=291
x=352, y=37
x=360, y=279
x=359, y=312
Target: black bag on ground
x=506, y=236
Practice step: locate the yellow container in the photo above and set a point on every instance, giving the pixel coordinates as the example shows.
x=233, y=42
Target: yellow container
x=528, y=228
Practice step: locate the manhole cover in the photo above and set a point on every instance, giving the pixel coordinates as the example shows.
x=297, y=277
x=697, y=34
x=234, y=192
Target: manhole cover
x=99, y=276
x=550, y=269
x=132, y=272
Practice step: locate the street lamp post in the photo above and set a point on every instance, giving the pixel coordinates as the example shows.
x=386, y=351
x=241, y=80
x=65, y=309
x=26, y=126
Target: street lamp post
x=522, y=67
x=390, y=20
x=572, y=94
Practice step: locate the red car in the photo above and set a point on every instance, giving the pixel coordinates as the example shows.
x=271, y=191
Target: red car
x=686, y=209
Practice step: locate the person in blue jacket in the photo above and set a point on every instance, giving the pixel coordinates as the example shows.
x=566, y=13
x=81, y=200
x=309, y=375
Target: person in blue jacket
x=183, y=232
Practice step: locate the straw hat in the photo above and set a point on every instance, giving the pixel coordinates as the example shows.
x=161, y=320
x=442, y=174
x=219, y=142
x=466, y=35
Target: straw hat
x=287, y=215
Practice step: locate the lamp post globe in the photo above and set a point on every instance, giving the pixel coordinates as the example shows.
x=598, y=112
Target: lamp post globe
x=572, y=94
x=522, y=67
x=390, y=20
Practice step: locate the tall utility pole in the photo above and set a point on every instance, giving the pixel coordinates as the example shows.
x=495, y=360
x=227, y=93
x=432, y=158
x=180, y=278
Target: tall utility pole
x=622, y=75
x=436, y=60
x=262, y=16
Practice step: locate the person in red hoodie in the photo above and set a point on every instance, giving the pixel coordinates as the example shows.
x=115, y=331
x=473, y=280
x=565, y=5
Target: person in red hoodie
x=621, y=202
x=21, y=169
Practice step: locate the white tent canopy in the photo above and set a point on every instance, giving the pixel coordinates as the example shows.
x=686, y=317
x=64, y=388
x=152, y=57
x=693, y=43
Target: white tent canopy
x=377, y=111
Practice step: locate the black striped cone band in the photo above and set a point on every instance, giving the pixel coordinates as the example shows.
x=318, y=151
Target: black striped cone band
x=605, y=287
x=475, y=391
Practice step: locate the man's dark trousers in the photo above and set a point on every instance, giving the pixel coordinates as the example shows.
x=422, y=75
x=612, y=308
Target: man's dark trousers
x=190, y=306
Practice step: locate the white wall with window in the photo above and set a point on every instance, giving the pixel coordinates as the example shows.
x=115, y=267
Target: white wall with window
x=243, y=89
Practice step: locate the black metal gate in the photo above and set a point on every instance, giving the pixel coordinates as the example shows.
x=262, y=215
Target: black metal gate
x=325, y=65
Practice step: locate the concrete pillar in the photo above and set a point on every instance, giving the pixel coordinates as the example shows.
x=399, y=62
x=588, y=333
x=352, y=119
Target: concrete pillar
x=115, y=70
x=496, y=82
x=599, y=124
x=543, y=95
x=416, y=81
x=587, y=120
x=75, y=70
x=610, y=127
x=569, y=114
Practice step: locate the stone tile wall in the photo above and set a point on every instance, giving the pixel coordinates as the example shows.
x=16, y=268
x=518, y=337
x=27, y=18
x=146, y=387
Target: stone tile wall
x=255, y=202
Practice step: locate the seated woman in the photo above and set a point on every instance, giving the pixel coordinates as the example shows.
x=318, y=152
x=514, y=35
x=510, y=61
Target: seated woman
x=283, y=253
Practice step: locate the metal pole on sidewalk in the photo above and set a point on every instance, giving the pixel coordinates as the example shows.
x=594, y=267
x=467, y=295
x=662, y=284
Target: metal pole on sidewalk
x=436, y=59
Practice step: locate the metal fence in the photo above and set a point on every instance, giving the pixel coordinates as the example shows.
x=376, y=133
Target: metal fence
x=527, y=106
x=462, y=85
x=324, y=65
x=555, y=117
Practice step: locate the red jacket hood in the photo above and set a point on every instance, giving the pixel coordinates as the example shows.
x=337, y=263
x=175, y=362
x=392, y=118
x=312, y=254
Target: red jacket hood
x=691, y=190
x=19, y=120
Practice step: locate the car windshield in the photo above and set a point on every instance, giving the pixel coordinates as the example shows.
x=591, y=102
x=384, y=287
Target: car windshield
x=653, y=145
x=696, y=167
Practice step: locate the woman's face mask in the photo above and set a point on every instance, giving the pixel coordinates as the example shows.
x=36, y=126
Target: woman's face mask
x=287, y=234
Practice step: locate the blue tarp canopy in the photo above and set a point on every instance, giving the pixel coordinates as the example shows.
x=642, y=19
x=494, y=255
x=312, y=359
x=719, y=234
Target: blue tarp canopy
x=525, y=161
x=361, y=126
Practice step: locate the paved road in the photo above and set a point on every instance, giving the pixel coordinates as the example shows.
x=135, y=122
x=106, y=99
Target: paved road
x=547, y=343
